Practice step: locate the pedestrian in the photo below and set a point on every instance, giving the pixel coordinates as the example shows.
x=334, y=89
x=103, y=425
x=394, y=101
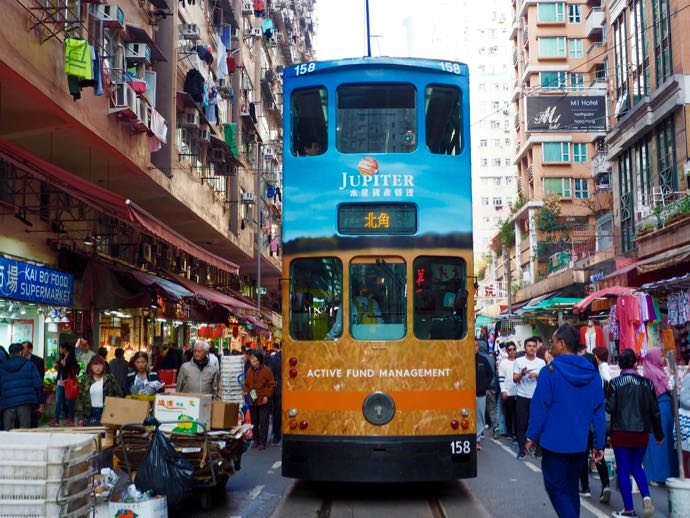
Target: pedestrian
x=67, y=368
x=508, y=389
x=21, y=389
x=684, y=419
x=275, y=363
x=600, y=464
x=483, y=377
x=170, y=358
x=634, y=410
x=119, y=368
x=525, y=373
x=103, y=353
x=259, y=385
x=660, y=460
x=602, y=356
x=568, y=400
x=96, y=386
x=28, y=353
x=140, y=378
x=198, y=376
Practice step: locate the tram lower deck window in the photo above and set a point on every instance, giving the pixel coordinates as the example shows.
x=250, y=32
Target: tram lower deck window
x=376, y=118
x=437, y=283
x=316, y=288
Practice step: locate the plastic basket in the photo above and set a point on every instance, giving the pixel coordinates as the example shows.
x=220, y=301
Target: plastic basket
x=19, y=489
x=74, y=508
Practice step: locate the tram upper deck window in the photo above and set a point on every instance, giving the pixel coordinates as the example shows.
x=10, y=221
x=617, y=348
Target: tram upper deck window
x=316, y=288
x=443, y=115
x=376, y=118
x=309, y=122
x=378, y=299
x=440, y=298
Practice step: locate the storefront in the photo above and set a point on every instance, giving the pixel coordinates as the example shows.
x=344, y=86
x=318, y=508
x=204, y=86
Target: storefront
x=36, y=304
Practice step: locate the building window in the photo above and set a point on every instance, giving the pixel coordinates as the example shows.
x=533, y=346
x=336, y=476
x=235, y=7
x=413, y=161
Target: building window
x=620, y=49
x=627, y=208
x=581, y=188
x=639, y=62
x=309, y=122
x=577, y=80
x=498, y=202
x=486, y=220
x=666, y=157
x=484, y=162
x=497, y=142
x=551, y=12
x=509, y=179
x=497, y=181
x=604, y=232
x=508, y=162
x=552, y=47
x=662, y=41
x=560, y=186
x=483, y=143
x=579, y=153
x=496, y=162
x=556, y=151
x=485, y=201
x=495, y=124
x=552, y=80
x=575, y=48
x=643, y=170
x=443, y=120
x=575, y=13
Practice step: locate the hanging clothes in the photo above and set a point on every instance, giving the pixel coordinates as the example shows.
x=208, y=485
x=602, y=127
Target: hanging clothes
x=211, y=112
x=267, y=28
x=614, y=328
x=275, y=244
x=259, y=8
x=78, y=62
x=222, y=63
x=194, y=85
x=270, y=191
x=232, y=65
x=628, y=312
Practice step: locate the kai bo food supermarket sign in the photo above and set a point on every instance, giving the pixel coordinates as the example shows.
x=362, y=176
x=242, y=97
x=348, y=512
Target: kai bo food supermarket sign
x=370, y=184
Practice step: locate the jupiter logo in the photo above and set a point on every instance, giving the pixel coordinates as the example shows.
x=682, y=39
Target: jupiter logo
x=368, y=166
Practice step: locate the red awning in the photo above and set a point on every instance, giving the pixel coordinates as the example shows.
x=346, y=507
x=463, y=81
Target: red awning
x=213, y=296
x=606, y=292
x=108, y=202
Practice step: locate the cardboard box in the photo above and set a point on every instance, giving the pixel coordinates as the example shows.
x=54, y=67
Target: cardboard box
x=154, y=508
x=224, y=415
x=118, y=411
x=183, y=408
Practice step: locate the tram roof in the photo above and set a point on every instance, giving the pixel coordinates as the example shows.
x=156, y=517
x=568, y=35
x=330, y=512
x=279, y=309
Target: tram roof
x=434, y=64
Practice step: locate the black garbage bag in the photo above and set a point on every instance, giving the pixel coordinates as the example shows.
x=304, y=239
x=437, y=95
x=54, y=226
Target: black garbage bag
x=163, y=470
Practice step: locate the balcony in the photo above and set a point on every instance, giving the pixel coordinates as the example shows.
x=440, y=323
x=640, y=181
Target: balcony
x=525, y=36
x=515, y=57
x=517, y=120
x=595, y=23
x=601, y=163
x=514, y=28
x=530, y=174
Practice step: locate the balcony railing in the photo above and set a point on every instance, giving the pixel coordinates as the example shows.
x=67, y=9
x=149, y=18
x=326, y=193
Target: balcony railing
x=530, y=174
x=601, y=163
x=517, y=119
x=525, y=36
x=595, y=22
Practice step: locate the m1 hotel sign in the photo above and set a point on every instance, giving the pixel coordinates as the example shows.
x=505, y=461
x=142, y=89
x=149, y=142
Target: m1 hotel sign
x=582, y=113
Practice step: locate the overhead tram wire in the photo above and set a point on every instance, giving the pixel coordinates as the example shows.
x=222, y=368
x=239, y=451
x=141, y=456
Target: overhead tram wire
x=541, y=88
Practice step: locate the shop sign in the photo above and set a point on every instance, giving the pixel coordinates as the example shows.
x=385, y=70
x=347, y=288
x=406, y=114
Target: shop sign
x=596, y=277
x=566, y=113
x=24, y=281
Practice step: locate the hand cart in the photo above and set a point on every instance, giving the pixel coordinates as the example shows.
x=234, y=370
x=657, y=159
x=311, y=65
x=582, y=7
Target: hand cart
x=207, y=486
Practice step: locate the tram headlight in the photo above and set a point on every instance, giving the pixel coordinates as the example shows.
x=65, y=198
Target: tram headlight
x=464, y=412
x=293, y=361
x=292, y=424
x=303, y=425
x=293, y=373
x=465, y=423
x=292, y=412
x=454, y=424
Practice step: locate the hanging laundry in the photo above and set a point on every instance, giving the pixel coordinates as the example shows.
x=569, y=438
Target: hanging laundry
x=628, y=312
x=267, y=28
x=159, y=127
x=614, y=329
x=222, y=63
x=204, y=100
x=259, y=8
x=226, y=36
x=232, y=65
x=212, y=111
x=270, y=191
x=154, y=144
x=78, y=61
x=205, y=54
x=194, y=85
x=97, y=74
x=278, y=195
x=275, y=245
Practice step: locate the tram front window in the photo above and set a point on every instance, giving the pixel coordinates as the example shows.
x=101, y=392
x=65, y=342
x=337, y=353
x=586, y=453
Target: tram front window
x=376, y=118
x=316, y=287
x=443, y=114
x=309, y=122
x=378, y=299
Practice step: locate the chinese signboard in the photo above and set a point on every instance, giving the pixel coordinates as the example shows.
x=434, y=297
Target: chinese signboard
x=23, y=281
x=566, y=113
x=377, y=218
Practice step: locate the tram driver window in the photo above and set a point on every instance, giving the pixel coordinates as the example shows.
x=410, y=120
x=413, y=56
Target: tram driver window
x=376, y=118
x=309, y=122
x=316, y=288
x=440, y=298
x=443, y=120
x=378, y=299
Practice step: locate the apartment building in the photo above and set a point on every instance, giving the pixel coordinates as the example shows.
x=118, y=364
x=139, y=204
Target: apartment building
x=147, y=133
x=648, y=142
x=561, y=226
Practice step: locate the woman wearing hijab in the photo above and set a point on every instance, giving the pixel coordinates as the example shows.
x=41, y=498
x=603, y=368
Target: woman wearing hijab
x=660, y=461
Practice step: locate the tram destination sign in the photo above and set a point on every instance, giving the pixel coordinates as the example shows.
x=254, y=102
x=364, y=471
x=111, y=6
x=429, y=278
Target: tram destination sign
x=24, y=281
x=566, y=113
x=377, y=219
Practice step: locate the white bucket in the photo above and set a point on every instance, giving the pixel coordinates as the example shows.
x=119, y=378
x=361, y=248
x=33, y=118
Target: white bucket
x=678, y=497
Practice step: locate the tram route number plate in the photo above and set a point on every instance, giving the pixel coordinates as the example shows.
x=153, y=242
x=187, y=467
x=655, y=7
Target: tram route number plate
x=460, y=447
x=377, y=218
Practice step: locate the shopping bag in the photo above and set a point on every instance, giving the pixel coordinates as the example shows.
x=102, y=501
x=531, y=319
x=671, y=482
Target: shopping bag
x=71, y=388
x=163, y=470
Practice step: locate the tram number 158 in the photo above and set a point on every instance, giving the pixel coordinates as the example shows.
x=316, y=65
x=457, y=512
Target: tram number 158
x=453, y=68
x=460, y=447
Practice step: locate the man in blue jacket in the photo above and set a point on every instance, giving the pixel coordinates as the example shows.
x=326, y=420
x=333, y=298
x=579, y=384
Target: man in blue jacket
x=21, y=389
x=568, y=401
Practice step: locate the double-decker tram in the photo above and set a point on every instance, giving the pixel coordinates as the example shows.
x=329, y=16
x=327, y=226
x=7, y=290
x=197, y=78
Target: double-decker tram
x=379, y=369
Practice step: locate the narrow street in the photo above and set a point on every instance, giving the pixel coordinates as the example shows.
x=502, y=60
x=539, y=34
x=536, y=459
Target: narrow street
x=503, y=485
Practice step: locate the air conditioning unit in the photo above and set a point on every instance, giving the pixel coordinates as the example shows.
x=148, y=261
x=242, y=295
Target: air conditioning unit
x=255, y=33
x=248, y=197
x=112, y=16
x=216, y=154
x=146, y=252
x=205, y=135
x=234, y=34
x=247, y=8
x=269, y=152
x=190, y=119
x=138, y=52
x=190, y=31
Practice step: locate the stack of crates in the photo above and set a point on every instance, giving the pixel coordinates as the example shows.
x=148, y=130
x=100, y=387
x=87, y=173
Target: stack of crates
x=46, y=475
x=232, y=379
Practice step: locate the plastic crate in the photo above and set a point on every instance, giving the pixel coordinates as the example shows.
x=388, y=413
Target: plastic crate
x=20, y=489
x=74, y=508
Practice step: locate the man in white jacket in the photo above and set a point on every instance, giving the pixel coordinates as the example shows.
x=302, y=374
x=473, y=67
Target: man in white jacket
x=508, y=389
